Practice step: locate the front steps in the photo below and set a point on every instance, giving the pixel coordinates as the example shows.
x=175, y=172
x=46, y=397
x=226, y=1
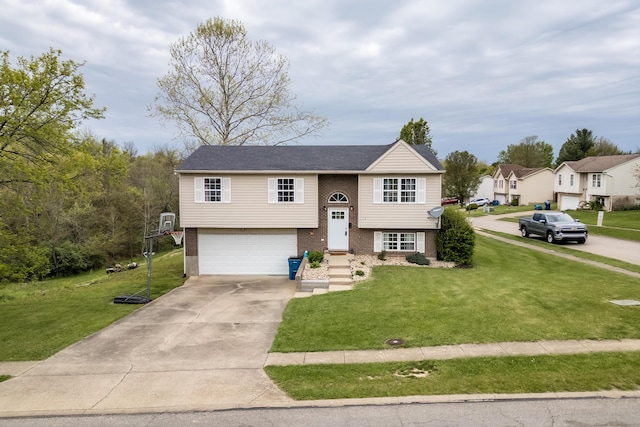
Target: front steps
x=340, y=278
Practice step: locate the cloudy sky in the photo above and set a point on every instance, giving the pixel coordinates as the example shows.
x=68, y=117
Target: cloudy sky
x=483, y=73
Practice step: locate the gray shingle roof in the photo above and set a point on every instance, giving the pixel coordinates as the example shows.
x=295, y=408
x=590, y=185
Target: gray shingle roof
x=599, y=163
x=291, y=158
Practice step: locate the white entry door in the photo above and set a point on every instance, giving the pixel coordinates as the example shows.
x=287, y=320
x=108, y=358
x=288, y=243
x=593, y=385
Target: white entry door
x=338, y=229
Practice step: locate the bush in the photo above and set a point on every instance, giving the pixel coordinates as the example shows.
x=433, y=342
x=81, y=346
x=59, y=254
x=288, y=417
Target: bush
x=315, y=256
x=417, y=258
x=382, y=255
x=455, y=240
x=515, y=202
x=471, y=207
x=68, y=259
x=314, y=264
x=359, y=273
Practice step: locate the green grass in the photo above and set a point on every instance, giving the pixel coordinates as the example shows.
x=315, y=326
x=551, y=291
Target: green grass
x=521, y=374
x=511, y=294
x=540, y=242
x=40, y=319
x=499, y=210
x=4, y=377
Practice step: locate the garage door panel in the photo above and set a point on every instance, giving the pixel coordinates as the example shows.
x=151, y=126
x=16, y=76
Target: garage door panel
x=246, y=253
x=569, y=202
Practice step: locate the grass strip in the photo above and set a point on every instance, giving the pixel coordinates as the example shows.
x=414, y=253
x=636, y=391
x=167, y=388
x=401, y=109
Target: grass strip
x=513, y=374
x=40, y=319
x=4, y=377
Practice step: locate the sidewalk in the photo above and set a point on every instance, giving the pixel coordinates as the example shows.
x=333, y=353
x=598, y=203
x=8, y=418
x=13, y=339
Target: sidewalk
x=452, y=352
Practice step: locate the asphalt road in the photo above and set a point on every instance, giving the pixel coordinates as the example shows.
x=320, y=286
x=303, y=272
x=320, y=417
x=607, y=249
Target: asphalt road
x=623, y=250
x=534, y=412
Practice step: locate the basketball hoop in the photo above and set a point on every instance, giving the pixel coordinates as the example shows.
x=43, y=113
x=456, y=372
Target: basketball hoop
x=177, y=236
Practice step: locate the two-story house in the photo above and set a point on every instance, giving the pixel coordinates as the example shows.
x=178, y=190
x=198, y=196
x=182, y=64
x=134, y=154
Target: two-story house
x=526, y=185
x=608, y=179
x=247, y=209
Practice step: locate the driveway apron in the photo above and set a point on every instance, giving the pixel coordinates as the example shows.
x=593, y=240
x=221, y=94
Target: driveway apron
x=201, y=346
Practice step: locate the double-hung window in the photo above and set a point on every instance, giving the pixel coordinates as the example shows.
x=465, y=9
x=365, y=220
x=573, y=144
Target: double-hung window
x=560, y=180
x=286, y=190
x=513, y=185
x=212, y=190
x=399, y=190
x=399, y=241
x=571, y=180
x=596, y=180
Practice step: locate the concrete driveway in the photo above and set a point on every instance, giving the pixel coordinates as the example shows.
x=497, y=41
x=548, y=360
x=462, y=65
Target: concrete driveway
x=202, y=346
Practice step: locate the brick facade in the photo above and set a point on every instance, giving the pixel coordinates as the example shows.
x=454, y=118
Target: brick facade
x=360, y=240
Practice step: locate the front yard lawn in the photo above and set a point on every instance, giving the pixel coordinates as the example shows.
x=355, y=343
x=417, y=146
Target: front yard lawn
x=511, y=294
x=40, y=319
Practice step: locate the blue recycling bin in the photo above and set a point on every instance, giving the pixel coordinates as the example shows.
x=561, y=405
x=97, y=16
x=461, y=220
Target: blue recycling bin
x=537, y=207
x=547, y=205
x=294, y=265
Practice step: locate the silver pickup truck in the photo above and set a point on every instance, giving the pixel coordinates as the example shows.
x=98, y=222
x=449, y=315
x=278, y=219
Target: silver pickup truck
x=554, y=226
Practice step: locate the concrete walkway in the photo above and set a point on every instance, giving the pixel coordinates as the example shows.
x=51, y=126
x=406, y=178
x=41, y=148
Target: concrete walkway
x=452, y=352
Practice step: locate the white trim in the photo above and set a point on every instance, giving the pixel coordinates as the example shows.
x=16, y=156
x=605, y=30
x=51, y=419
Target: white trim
x=377, y=241
x=271, y=190
x=377, y=190
x=299, y=194
x=420, y=242
x=198, y=190
x=421, y=191
x=226, y=190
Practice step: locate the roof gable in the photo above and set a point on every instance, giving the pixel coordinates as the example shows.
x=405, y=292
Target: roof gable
x=402, y=157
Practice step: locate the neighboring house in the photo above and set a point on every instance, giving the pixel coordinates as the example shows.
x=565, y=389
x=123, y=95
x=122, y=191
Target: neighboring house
x=247, y=209
x=527, y=185
x=607, y=179
x=485, y=189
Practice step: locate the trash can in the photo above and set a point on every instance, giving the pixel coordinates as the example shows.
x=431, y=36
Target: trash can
x=294, y=264
x=537, y=207
x=496, y=203
x=547, y=205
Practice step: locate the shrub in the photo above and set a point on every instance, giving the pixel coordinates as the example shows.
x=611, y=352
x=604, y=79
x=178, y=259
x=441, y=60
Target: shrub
x=315, y=256
x=417, y=258
x=68, y=259
x=359, y=273
x=471, y=207
x=515, y=202
x=314, y=264
x=382, y=255
x=455, y=240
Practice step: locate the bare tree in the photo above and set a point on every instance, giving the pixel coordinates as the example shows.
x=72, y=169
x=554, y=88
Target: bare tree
x=224, y=89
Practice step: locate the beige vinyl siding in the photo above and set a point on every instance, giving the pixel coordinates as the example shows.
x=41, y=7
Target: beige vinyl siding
x=388, y=216
x=621, y=179
x=401, y=158
x=249, y=206
x=536, y=188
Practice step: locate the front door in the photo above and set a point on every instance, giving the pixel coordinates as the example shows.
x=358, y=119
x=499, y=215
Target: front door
x=338, y=229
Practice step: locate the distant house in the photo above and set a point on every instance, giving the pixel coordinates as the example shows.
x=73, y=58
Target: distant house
x=485, y=189
x=526, y=185
x=607, y=179
x=247, y=209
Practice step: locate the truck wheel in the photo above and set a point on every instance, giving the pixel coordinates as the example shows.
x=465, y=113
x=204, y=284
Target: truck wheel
x=550, y=237
x=581, y=241
x=524, y=232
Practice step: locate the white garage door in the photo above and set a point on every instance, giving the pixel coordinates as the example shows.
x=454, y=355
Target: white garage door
x=569, y=203
x=246, y=253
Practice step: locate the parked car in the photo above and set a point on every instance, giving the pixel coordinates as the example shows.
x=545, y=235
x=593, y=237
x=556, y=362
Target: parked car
x=554, y=226
x=482, y=201
x=449, y=201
